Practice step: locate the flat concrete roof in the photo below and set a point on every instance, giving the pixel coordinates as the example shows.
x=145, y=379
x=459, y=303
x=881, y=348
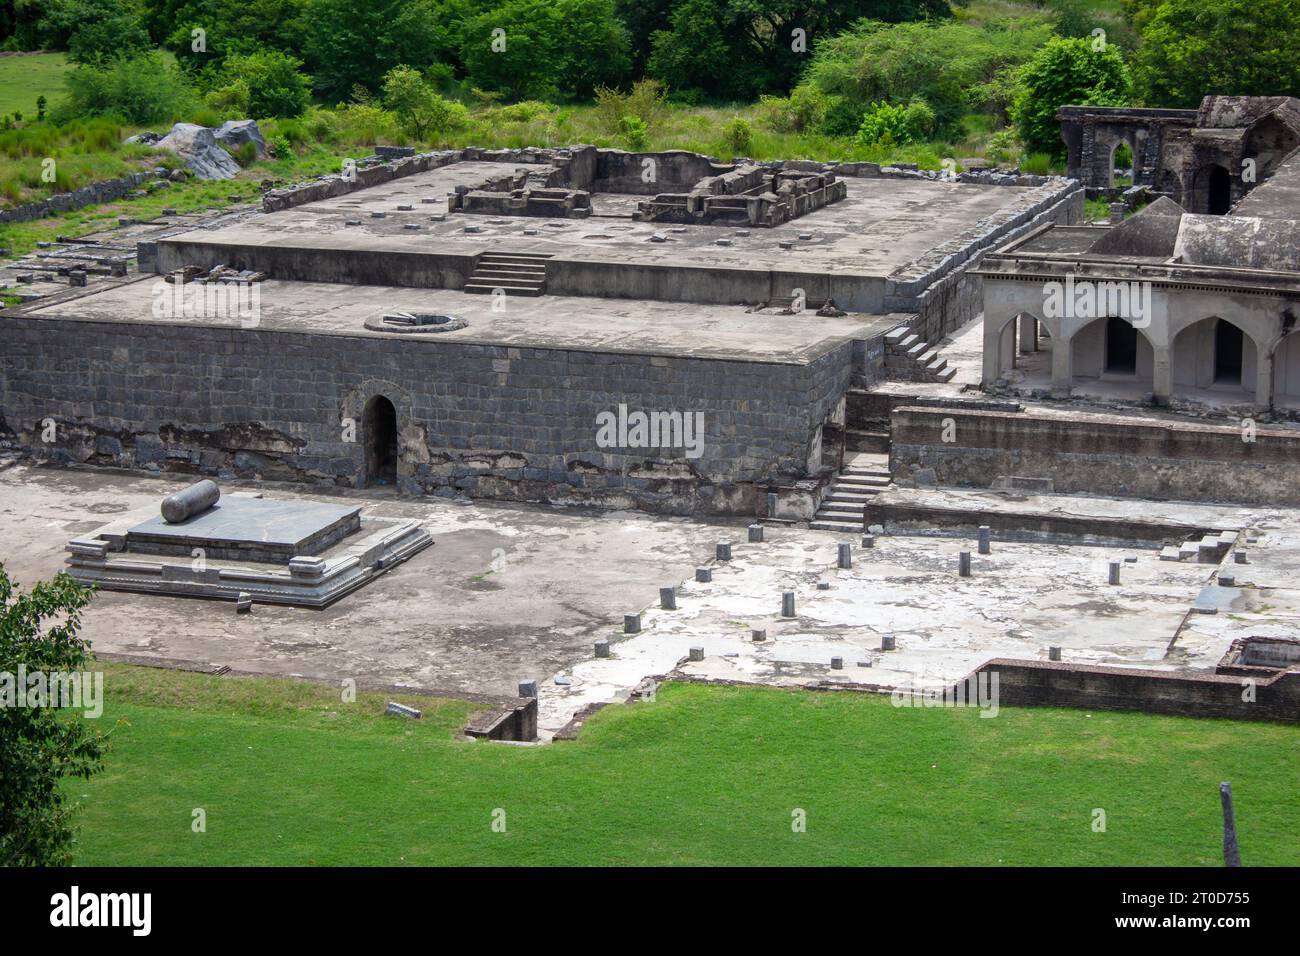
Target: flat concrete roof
x=882, y=224
x=561, y=322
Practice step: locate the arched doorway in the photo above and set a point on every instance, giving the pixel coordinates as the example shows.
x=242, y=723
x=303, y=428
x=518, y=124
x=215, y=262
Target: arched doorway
x=1218, y=196
x=1214, y=354
x=380, y=432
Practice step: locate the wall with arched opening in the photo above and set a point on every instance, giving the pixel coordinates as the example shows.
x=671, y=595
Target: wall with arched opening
x=1095, y=351
x=1214, y=353
x=1286, y=372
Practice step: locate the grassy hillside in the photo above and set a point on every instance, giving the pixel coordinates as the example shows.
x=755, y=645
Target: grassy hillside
x=288, y=774
x=25, y=76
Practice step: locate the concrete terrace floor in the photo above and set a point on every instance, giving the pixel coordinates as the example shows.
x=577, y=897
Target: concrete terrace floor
x=614, y=325
x=516, y=592
x=880, y=225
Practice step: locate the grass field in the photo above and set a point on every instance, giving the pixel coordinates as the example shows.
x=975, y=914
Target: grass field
x=287, y=774
x=25, y=77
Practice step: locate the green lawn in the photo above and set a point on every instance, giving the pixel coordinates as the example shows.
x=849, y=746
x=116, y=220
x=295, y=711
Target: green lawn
x=23, y=78
x=287, y=774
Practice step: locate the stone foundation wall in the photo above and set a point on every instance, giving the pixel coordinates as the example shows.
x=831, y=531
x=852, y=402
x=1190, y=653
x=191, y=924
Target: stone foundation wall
x=1061, y=684
x=473, y=420
x=1099, y=454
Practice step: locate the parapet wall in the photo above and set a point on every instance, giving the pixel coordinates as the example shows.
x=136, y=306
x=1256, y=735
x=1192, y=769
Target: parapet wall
x=1098, y=454
x=474, y=420
x=1061, y=684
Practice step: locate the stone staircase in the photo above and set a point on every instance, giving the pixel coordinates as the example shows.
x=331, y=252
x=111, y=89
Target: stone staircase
x=512, y=272
x=909, y=359
x=864, y=476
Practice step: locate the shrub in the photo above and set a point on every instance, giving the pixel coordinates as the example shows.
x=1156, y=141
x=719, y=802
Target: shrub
x=1036, y=164
x=420, y=111
x=739, y=137
x=884, y=124
x=802, y=111
x=635, y=134
x=140, y=90
x=275, y=85
x=646, y=101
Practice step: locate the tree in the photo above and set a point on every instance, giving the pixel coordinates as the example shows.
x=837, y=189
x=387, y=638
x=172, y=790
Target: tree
x=39, y=746
x=351, y=44
x=737, y=49
x=1192, y=48
x=228, y=27
x=1066, y=72
x=545, y=49
x=94, y=30
x=274, y=85
x=420, y=110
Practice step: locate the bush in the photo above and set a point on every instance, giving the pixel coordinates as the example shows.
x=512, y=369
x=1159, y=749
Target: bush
x=646, y=101
x=274, y=85
x=420, y=111
x=1037, y=164
x=884, y=123
x=140, y=90
x=94, y=31
x=802, y=111
x=1063, y=73
x=739, y=137
x=947, y=64
x=635, y=134
x=365, y=123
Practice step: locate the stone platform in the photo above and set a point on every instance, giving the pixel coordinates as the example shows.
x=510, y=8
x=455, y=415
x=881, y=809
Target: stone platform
x=308, y=554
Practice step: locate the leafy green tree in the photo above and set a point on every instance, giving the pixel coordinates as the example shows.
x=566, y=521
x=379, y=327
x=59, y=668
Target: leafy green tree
x=545, y=49
x=420, y=110
x=272, y=81
x=90, y=30
x=953, y=66
x=738, y=49
x=39, y=745
x=1192, y=48
x=1066, y=72
x=229, y=27
x=350, y=43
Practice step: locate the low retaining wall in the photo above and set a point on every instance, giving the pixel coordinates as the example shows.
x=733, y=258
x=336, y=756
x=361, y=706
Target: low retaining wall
x=101, y=192
x=1060, y=684
x=1098, y=454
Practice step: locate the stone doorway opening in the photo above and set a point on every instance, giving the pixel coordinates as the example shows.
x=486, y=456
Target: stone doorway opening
x=1121, y=347
x=1218, y=191
x=1227, y=353
x=380, y=430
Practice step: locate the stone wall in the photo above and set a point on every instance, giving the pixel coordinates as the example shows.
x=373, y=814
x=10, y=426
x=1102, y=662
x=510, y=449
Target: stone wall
x=101, y=192
x=1099, y=454
x=1061, y=684
x=474, y=420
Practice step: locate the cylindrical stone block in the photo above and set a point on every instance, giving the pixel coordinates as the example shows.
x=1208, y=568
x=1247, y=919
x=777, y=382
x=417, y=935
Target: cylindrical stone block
x=984, y=539
x=1053, y=653
x=697, y=653
x=1114, y=572
x=844, y=559
x=963, y=564
x=868, y=540
x=704, y=575
x=188, y=502
x=837, y=663
x=723, y=551
x=668, y=599
x=602, y=648
x=631, y=623
x=758, y=635
x=787, y=604
x=528, y=688
x=887, y=642
x=755, y=532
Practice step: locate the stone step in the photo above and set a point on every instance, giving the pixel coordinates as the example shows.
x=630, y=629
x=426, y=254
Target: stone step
x=519, y=278
x=839, y=509
x=524, y=267
x=515, y=256
x=475, y=288
x=833, y=524
x=874, y=479
x=896, y=335
x=861, y=440
x=850, y=499
x=947, y=375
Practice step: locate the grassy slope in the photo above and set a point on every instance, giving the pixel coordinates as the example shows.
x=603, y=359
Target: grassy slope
x=23, y=78
x=288, y=775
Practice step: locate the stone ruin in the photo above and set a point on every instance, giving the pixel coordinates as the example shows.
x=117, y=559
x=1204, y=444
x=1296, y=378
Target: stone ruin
x=748, y=196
